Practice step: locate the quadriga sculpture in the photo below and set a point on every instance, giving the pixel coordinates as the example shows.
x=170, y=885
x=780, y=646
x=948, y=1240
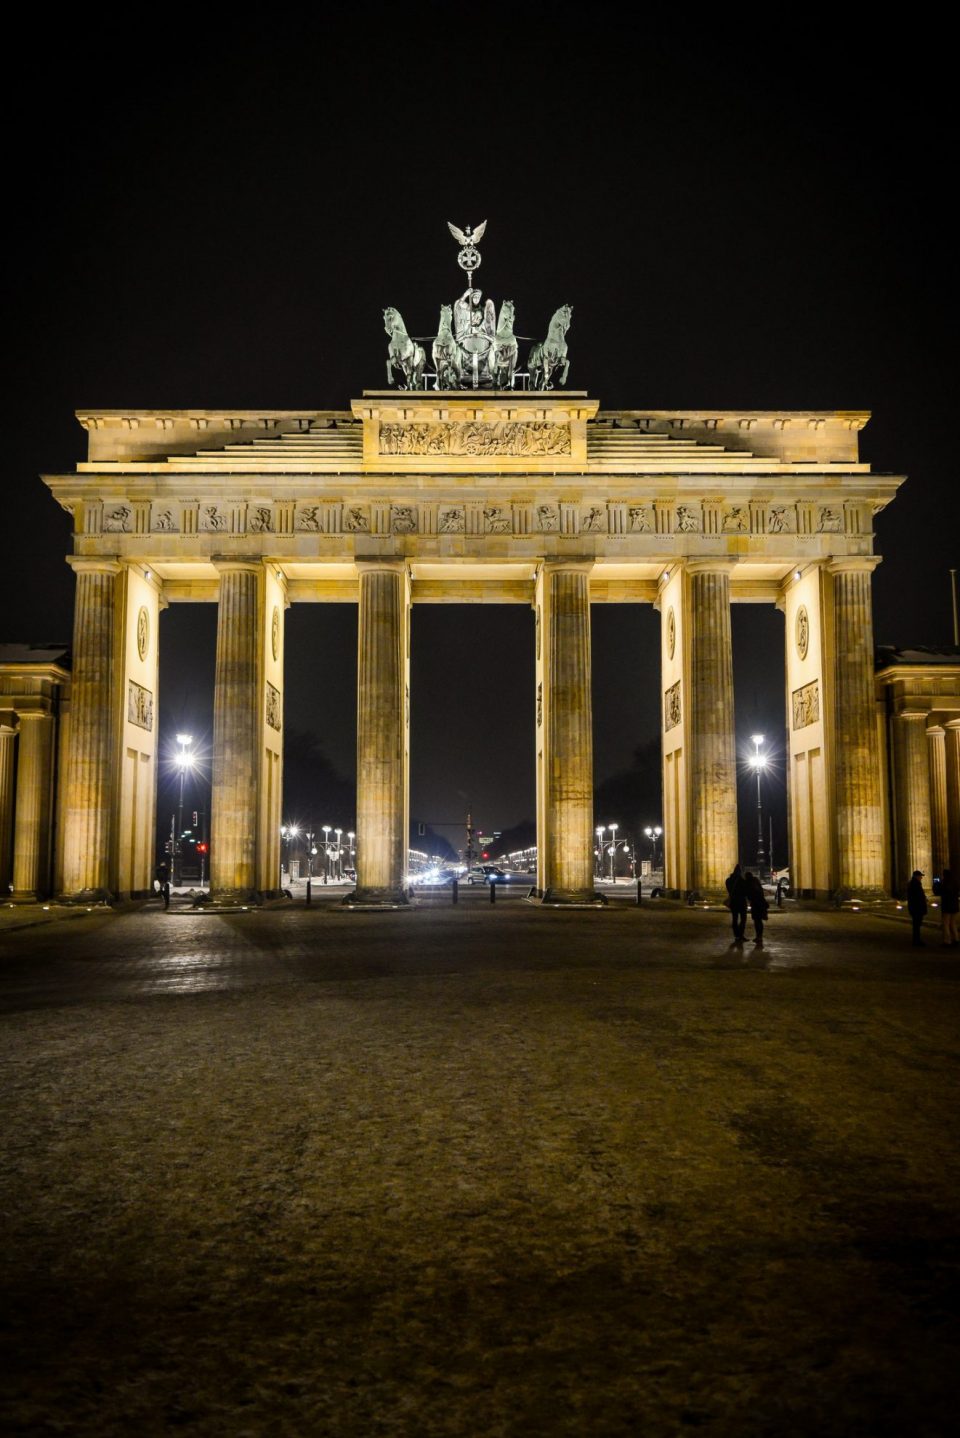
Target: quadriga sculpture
x=551, y=354
x=403, y=352
x=503, y=360
x=446, y=353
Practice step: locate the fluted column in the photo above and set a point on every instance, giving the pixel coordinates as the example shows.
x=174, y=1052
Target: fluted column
x=8, y=738
x=912, y=787
x=939, y=832
x=31, y=835
x=91, y=766
x=236, y=732
x=710, y=727
x=858, y=784
x=952, y=756
x=568, y=717
x=382, y=718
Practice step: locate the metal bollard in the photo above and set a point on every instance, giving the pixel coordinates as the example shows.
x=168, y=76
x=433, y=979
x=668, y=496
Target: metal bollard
x=639, y=892
x=455, y=892
x=493, y=892
x=309, y=894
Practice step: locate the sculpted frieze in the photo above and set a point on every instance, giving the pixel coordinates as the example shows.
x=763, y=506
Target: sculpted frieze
x=548, y=517
x=594, y=519
x=451, y=520
x=736, y=519
x=116, y=519
x=213, y=520
x=259, y=519
x=688, y=519
x=806, y=705
x=403, y=519
x=139, y=706
x=497, y=519
x=671, y=706
x=274, y=707
x=165, y=521
x=831, y=520
x=781, y=519
x=471, y=437
x=308, y=518
x=642, y=519
x=356, y=520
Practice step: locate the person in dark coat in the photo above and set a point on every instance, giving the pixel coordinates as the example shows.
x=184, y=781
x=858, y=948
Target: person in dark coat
x=757, y=900
x=737, y=899
x=949, y=906
x=917, y=905
x=163, y=879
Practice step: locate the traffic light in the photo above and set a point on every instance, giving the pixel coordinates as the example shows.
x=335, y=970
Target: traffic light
x=203, y=848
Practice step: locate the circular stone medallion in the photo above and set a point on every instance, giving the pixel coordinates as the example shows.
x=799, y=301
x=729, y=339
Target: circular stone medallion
x=275, y=632
x=803, y=632
x=143, y=632
x=671, y=633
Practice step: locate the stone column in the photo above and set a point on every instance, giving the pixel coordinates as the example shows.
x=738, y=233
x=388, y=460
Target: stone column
x=912, y=789
x=382, y=724
x=31, y=837
x=858, y=782
x=939, y=832
x=710, y=726
x=8, y=738
x=92, y=758
x=568, y=741
x=236, y=732
x=952, y=755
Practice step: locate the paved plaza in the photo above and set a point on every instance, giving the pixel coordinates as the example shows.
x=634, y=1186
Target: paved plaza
x=484, y=1169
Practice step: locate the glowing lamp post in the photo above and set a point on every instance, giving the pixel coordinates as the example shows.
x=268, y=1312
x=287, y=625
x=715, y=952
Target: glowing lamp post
x=600, y=832
x=759, y=761
x=185, y=761
x=613, y=851
x=653, y=832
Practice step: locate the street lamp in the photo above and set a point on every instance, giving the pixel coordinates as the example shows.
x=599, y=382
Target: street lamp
x=613, y=851
x=653, y=832
x=338, y=833
x=184, y=761
x=759, y=762
x=353, y=852
x=326, y=852
x=600, y=830
x=287, y=832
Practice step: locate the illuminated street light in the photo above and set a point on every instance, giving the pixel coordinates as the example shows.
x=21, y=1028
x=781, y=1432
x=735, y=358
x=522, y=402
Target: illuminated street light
x=185, y=760
x=613, y=850
x=600, y=832
x=653, y=832
x=759, y=761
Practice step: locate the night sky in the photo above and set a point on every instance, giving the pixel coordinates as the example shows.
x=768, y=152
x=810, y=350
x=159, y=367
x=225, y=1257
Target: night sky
x=218, y=217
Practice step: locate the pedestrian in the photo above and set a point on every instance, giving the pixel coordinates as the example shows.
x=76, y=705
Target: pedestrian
x=163, y=879
x=759, y=907
x=737, y=901
x=917, y=905
x=949, y=905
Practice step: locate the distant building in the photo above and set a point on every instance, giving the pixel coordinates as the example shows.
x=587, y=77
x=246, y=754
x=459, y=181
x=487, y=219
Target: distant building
x=918, y=691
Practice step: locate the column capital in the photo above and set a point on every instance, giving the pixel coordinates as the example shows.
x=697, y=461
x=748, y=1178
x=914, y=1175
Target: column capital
x=854, y=564
x=368, y=563
x=953, y=724
x=94, y=564
x=718, y=564
x=576, y=563
x=237, y=563
x=935, y=731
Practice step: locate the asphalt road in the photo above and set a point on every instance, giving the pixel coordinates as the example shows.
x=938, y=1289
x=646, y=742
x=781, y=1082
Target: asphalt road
x=484, y=1169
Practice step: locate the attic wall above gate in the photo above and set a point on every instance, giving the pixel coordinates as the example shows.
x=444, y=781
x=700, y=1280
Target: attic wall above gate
x=447, y=478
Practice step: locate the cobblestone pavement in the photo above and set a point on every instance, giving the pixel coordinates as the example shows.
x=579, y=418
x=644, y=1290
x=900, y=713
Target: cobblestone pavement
x=478, y=1170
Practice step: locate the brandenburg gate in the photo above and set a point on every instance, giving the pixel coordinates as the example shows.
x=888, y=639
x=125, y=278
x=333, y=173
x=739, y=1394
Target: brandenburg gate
x=467, y=495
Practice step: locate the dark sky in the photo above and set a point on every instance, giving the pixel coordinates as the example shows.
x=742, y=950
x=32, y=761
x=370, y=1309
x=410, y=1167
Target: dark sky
x=218, y=217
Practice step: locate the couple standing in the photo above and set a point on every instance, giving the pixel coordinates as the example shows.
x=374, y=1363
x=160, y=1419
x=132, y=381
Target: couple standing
x=746, y=892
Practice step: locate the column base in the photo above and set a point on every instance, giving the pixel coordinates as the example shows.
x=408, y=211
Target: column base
x=377, y=898
x=844, y=897
x=571, y=898
x=87, y=896
x=225, y=900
